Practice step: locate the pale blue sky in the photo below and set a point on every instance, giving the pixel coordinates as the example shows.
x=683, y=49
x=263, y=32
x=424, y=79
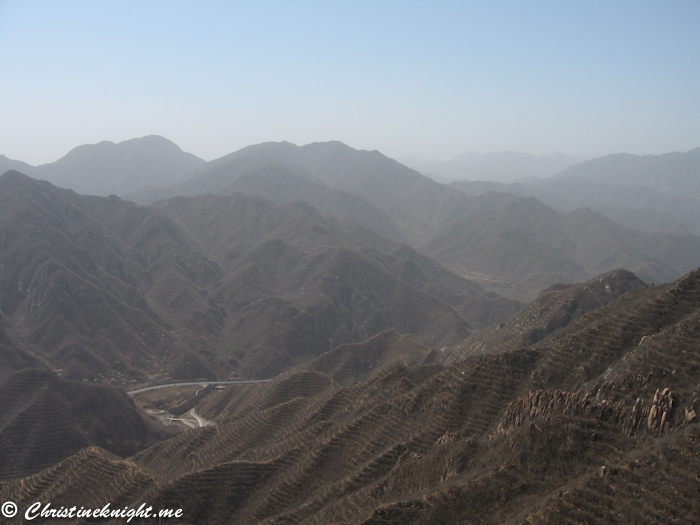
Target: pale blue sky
x=432, y=79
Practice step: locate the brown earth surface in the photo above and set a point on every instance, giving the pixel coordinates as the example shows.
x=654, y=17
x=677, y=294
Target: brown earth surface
x=596, y=422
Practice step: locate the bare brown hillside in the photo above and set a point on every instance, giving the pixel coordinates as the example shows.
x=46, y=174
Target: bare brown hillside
x=596, y=422
x=554, y=308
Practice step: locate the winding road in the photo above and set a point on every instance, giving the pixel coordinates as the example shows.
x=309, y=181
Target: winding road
x=200, y=383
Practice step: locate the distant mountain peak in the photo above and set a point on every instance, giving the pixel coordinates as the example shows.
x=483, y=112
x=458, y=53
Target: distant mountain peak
x=118, y=168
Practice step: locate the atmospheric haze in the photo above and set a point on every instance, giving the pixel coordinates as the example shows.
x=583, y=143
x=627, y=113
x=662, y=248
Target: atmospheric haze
x=358, y=262
x=429, y=80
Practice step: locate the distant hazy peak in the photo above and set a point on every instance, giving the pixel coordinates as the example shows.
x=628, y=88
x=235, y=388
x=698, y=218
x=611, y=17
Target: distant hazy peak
x=673, y=173
x=107, y=168
x=149, y=145
x=10, y=164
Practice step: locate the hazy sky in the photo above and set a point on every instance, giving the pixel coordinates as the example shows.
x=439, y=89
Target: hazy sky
x=432, y=79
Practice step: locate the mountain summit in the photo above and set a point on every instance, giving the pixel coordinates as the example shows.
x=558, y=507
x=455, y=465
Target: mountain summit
x=107, y=168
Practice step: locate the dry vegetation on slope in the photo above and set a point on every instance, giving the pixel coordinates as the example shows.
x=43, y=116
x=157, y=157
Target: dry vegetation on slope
x=596, y=422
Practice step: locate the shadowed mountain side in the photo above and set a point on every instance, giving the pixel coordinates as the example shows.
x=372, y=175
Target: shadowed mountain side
x=182, y=277
x=13, y=355
x=342, y=297
x=597, y=421
x=44, y=419
x=108, y=168
x=74, y=293
x=300, y=283
x=284, y=236
x=553, y=309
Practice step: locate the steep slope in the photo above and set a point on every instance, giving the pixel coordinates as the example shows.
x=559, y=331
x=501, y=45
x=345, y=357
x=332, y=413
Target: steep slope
x=116, y=480
x=74, y=294
x=415, y=202
x=222, y=286
x=13, y=354
x=108, y=168
x=300, y=283
x=44, y=419
x=552, y=310
x=595, y=423
x=348, y=364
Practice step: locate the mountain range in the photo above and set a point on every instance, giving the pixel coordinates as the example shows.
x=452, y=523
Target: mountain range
x=673, y=173
x=475, y=352
x=655, y=193
x=515, y=247
x=208, y=286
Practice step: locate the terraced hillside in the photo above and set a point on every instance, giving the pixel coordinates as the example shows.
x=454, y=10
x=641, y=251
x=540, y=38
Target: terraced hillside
x=555, y=308
x=596, y=422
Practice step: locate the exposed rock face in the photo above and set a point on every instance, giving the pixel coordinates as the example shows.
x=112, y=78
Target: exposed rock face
x=656, y=417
